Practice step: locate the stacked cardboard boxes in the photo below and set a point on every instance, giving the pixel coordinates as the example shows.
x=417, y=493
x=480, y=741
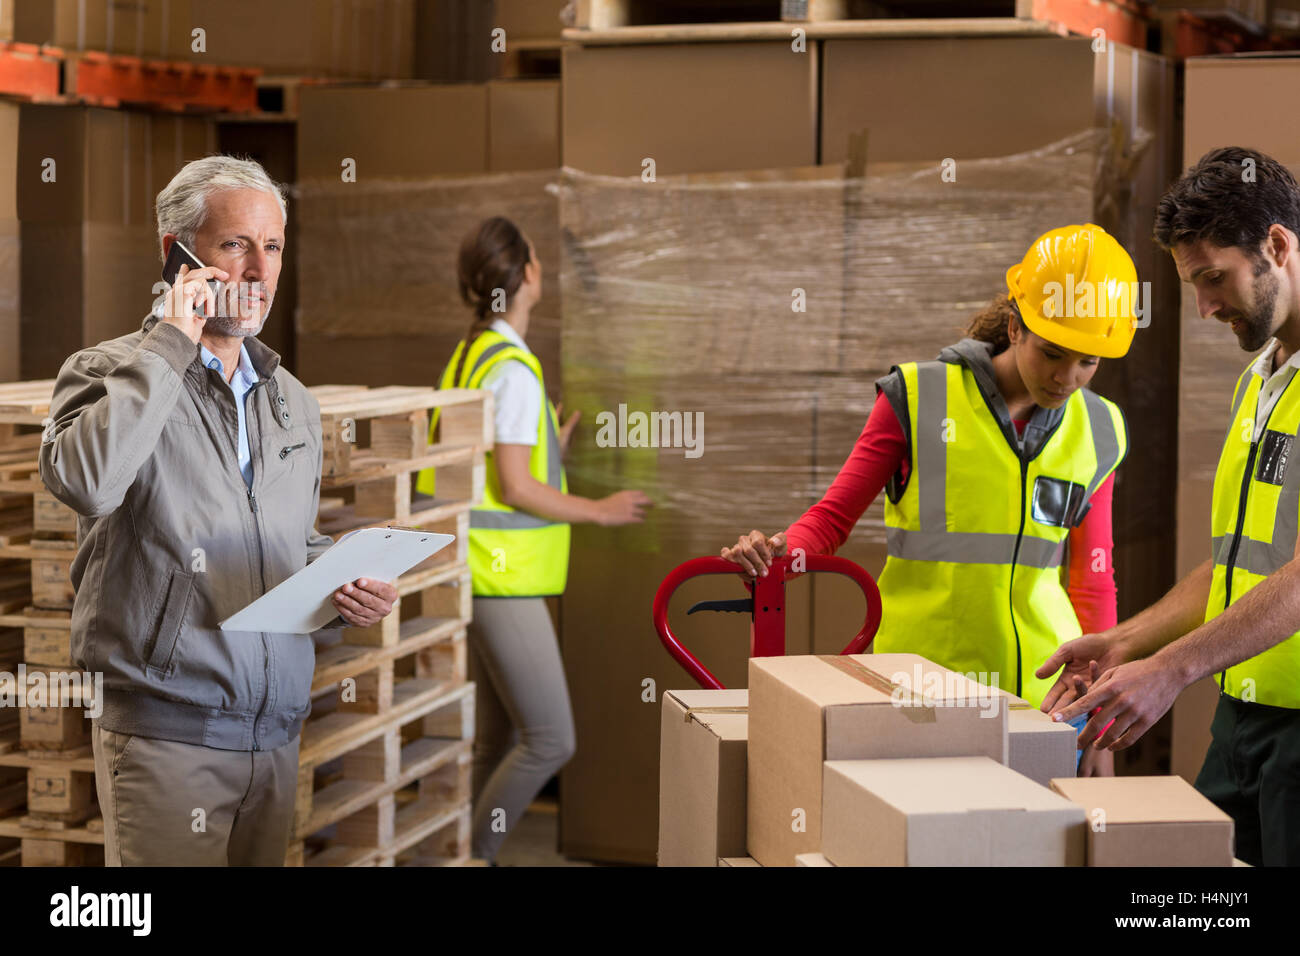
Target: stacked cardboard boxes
x=892, y=760
x=87, y=180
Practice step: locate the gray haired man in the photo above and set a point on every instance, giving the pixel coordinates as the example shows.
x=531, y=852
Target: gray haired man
x=194, y=462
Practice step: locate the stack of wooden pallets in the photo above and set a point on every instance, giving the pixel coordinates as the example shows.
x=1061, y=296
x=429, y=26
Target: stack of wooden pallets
x=384, y=772
x=47, y=785
x=384, y=763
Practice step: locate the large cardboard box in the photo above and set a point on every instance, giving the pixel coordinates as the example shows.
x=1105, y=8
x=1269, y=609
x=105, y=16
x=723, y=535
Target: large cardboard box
x=91, y=262
x=1149, y=821
x=954, y=811
x=524, y=125
x=697, y=107
x=809, y=709
x=1221, y=108
x=364, y=39
x=703, y=743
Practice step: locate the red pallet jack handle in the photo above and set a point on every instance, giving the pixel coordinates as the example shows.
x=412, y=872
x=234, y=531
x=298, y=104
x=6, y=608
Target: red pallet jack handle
x=767, y=634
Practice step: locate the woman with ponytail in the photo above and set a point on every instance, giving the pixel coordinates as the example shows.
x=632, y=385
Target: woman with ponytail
x=519, y=536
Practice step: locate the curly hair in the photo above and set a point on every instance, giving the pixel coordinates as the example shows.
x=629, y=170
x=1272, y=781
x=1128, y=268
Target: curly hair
x=990, y=323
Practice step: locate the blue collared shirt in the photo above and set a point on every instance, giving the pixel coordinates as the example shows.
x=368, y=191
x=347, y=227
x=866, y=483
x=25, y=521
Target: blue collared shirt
x=241, y=383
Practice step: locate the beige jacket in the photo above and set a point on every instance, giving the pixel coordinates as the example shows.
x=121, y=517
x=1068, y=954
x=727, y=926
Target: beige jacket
x=144, y=446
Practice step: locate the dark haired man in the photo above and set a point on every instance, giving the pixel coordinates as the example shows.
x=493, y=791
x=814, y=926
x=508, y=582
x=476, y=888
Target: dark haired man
x=1232, y=224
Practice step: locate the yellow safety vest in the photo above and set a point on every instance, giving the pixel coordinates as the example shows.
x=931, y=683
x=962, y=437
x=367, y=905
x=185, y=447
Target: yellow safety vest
x=511, y=553
x=1253, y=531
x=977, y=535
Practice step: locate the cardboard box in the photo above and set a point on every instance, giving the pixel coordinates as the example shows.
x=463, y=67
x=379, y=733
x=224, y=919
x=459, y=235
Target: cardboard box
x=363, y=39
x=703, y=743
x=953, y=811
x=695, y=107
x=90, y=252
x=738, y=861
x=806, y=710
x=1149, y=821
x=1037, y=746
x=812, y=859
x=524, y=125
x=147, y=28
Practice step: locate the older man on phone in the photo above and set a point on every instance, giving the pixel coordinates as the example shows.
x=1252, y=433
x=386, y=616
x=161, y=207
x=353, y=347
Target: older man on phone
x=194, y=460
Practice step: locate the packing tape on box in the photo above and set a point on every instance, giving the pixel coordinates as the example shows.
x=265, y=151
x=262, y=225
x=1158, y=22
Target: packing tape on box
x=914, y=709
x=692, y=711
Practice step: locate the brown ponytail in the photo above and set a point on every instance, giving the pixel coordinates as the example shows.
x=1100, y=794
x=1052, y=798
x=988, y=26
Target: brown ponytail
x=990, y=323
x=492, y=258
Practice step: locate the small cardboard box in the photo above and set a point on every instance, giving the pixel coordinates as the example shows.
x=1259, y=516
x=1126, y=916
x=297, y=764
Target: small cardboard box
x=702, y=739
x=1149, y=821
x=812, y=859
x=1037, y=746
x=946, y=811
x=808, y=709
x=738, y=861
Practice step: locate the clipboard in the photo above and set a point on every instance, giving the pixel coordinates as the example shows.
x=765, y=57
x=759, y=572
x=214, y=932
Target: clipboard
x=301, y=604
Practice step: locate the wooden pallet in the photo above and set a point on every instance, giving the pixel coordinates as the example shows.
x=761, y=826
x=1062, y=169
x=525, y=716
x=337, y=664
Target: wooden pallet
x=355, y=773
x=46, y=636
x=44, y=845
x=114, y=80
x=278, y=96
x=58, y=791
x=376, y=441
x=29, y=72
x=531, y=59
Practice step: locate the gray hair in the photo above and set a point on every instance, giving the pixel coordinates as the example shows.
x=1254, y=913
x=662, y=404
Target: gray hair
x=182, y=206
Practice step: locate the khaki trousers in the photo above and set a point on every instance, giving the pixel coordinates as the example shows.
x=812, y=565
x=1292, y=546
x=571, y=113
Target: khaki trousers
x=167, y=803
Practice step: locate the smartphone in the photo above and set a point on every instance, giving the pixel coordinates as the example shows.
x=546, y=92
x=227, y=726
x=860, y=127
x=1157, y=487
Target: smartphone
x=179, y=256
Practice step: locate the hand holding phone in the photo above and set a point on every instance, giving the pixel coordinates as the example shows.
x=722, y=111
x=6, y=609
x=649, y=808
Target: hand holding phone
x=194, y=293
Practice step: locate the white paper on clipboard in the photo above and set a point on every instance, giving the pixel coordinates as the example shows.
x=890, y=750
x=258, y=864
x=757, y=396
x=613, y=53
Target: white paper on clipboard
x=302, y=603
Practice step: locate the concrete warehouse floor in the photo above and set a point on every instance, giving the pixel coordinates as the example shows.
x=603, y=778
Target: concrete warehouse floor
x=534, y=841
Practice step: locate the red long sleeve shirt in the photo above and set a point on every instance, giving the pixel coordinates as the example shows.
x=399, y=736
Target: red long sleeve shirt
x=881, y=450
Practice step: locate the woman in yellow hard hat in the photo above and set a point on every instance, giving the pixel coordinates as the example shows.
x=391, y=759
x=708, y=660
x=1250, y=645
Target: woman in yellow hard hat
x=993, y=458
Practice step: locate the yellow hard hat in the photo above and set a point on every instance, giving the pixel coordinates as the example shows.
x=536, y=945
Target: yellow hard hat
x=1077, y=287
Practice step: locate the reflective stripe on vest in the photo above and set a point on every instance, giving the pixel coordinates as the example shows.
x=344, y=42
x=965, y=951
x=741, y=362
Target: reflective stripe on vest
x=972, y=580
x=511, y=552
x=1253, y=527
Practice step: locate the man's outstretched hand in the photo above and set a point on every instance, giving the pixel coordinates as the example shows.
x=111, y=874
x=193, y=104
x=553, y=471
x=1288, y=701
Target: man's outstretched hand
x=364, y=601
x=1075, y=660
x=1132, y=697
